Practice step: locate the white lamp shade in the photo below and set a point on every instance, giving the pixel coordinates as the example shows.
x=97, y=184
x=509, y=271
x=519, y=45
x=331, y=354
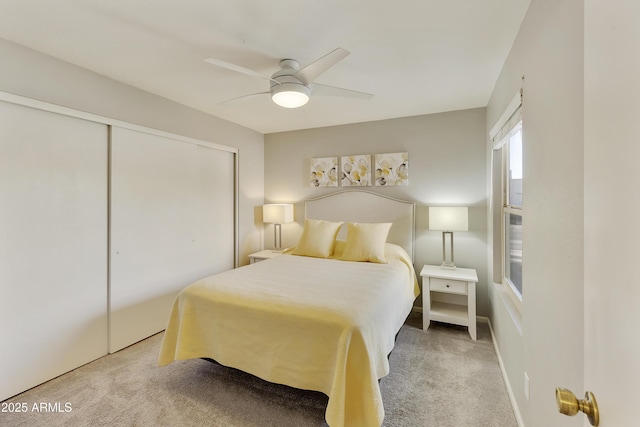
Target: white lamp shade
x=449, y=218
x=277, y=213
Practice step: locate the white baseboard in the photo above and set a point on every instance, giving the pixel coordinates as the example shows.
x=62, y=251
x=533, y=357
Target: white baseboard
x=505, y=377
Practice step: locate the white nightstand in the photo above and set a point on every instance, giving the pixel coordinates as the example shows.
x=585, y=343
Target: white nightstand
x=449, y=296
x=262, y=255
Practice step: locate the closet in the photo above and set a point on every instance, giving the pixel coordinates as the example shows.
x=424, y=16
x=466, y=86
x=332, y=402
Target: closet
x=102, y=223
x=171, y=223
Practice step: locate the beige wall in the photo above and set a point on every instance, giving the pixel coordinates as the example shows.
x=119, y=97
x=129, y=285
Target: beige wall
x=549, y=53
x=446, y=166
x=31, y=74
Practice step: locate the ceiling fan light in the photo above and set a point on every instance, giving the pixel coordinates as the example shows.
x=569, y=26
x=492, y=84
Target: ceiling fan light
x=290, y=95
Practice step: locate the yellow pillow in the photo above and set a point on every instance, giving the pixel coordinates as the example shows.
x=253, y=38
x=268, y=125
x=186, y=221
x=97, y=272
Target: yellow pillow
x=338, y=249
x=366, y=242
x=318, y=238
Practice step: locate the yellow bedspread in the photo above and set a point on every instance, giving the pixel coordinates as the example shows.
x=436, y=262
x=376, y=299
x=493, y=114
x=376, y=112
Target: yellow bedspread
x=315, y=324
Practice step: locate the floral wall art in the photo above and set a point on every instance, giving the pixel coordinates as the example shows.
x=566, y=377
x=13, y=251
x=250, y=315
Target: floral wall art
x=356, y=170
x=324, y=172
x=392, y=169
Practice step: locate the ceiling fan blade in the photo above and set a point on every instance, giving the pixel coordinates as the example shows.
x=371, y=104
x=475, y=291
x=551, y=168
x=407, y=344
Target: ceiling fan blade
x=234, y=67
x=244, y=96
x=324, y=90
x=309, y=73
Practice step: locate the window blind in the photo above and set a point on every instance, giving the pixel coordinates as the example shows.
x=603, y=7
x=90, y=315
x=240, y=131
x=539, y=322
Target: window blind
x=509, y=119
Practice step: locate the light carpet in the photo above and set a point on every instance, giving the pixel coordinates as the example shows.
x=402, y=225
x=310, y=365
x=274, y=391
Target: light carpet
x=440, y=378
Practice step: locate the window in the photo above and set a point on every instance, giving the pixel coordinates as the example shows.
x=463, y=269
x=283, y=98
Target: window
x=512, y=210
x=507, y=203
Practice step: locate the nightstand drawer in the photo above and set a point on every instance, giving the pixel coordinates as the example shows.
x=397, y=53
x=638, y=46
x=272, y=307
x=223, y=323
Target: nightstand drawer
x=447, y=285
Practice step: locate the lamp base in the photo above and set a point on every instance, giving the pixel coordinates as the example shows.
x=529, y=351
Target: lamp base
x=447, y=265
x=277, y=238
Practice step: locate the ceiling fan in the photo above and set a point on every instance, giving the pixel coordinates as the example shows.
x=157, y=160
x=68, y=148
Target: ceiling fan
x=291, y=86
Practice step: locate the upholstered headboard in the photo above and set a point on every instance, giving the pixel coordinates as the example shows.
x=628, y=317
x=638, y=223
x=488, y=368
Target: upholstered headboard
x=366, y=206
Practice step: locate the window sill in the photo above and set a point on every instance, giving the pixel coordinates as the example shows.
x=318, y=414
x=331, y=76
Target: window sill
x=510, y=307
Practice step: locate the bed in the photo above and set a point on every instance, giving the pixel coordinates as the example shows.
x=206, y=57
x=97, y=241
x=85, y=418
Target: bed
x=313, y=318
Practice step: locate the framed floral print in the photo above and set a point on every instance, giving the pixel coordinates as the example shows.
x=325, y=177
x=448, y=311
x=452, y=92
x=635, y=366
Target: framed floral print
x=392, y=169
x=324, y=172
x=356, y=170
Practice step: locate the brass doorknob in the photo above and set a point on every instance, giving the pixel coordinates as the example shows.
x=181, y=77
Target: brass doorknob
x=568, y=404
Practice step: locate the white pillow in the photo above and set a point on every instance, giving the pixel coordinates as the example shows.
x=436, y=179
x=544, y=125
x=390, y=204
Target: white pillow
x=318, y=238
x=366, y=242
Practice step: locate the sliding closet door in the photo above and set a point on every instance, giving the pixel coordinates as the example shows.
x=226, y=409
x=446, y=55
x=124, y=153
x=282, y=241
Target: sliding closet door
x=53, y=245
x=172, y=222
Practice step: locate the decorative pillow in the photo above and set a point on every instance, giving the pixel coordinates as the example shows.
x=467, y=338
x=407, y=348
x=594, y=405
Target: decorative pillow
x=318, y=238
x=338, y=248
x=366, y=242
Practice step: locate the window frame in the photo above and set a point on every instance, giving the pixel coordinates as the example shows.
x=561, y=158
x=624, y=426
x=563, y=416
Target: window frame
x=509, y=209
x=510, y=122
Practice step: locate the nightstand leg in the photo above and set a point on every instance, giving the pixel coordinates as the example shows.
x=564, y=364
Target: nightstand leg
x=426, y=305
x=471, y=305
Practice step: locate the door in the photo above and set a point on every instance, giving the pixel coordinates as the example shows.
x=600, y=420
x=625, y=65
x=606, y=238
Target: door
x=612, y=210
x=172, y=222
x=53, y=245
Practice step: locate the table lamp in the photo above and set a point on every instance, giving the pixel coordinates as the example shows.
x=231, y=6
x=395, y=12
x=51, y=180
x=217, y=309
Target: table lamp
x=277, y=214
x=448, y=219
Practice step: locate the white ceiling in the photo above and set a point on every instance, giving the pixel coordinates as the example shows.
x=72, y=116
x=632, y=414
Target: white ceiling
x=415, y=56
